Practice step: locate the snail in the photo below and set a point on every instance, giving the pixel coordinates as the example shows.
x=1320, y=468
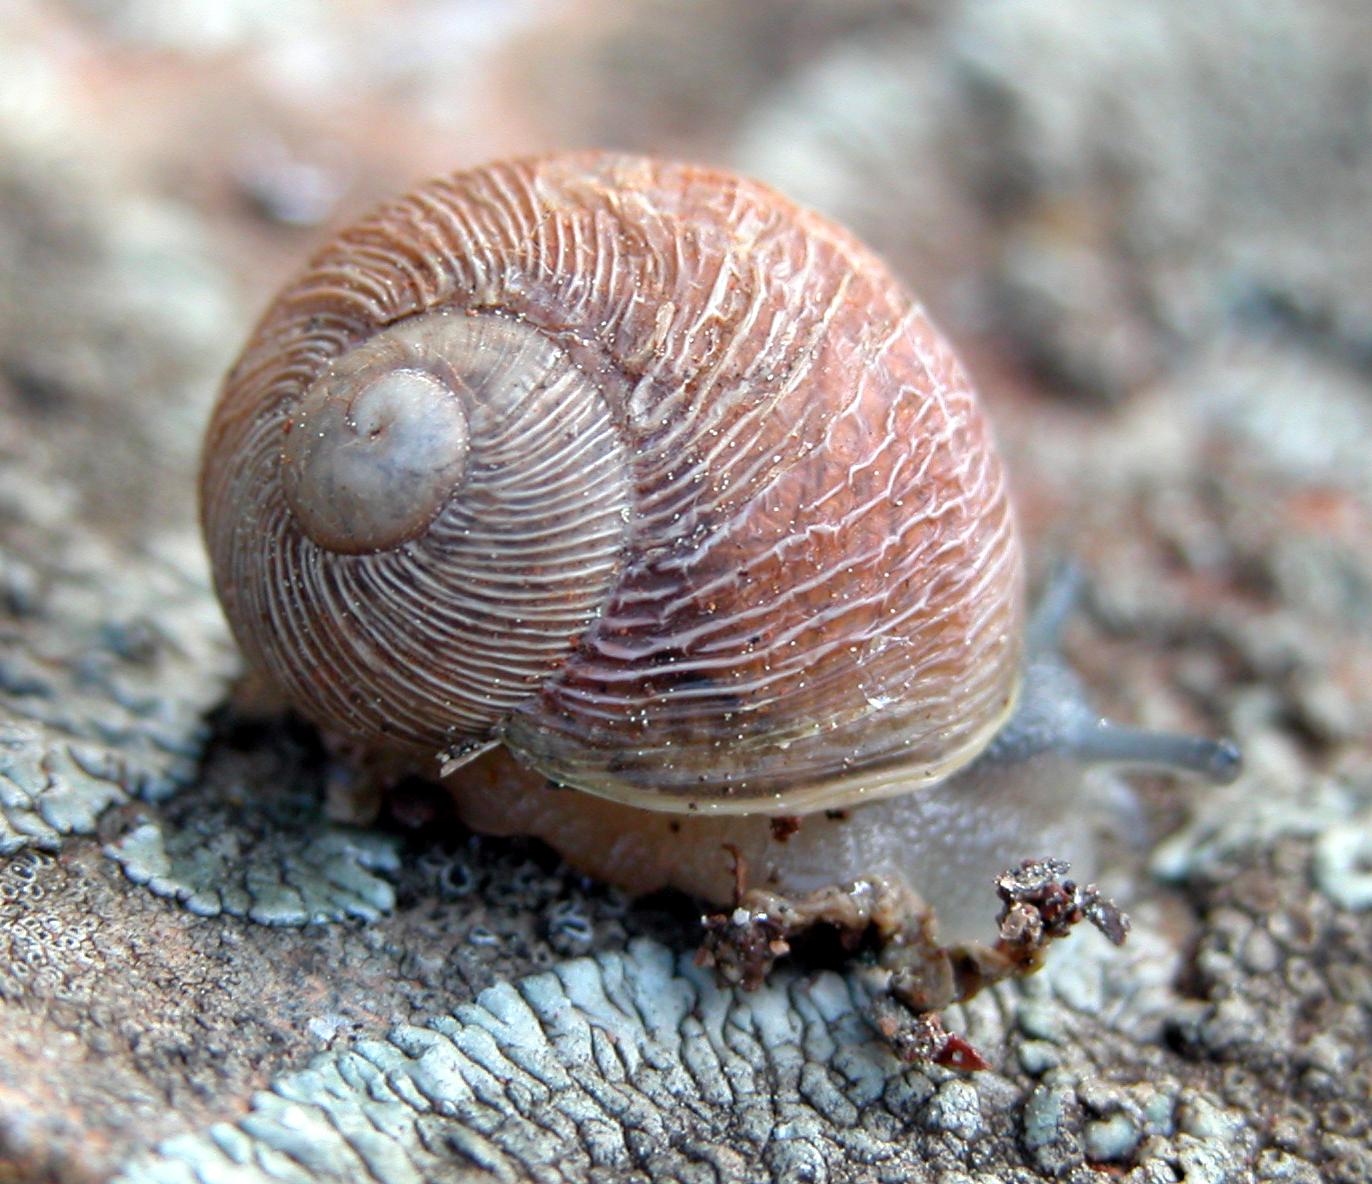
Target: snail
x=651, y=512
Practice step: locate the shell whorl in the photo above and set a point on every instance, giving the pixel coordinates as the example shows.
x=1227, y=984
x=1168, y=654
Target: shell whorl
x=711, y=518
x=424, y=614
x=379, y=442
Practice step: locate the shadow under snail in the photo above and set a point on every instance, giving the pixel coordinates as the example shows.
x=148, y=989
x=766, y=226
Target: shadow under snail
x=610, y=473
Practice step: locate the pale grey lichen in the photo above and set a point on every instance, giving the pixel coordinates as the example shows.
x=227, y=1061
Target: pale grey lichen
x=289, y=878
x=1110, y=1140
x=1037, y=1057
x=635, y=1065
x=111, y=649
x=1257, y=809
x=956, y=1109
x=1049, y=1135
x=1119, y=1118
x=1343, y=863
x=103, y=690
x=1277, y=1165
x=560, y=1073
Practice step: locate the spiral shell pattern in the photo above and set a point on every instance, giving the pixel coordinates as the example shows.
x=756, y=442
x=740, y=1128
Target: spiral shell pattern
x=711, y=519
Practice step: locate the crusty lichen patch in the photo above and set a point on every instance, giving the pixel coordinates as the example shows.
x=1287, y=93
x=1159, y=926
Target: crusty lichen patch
x=637, y=1066
x=108, y=667
x=273, y=874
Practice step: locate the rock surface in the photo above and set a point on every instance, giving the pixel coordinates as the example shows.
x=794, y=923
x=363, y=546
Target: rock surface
x=202, y=977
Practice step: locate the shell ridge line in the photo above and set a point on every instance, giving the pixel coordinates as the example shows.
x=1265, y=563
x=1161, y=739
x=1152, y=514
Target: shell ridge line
x=407, y=255
x=330, y=682
x=454, y=257
x=392, y=637
x=758, y=298
x=432, y=255
x=548, y=405
x=478, y=272
x=521, y=214
x=610, y=274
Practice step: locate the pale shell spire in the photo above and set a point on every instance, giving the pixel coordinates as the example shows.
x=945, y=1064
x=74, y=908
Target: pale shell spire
x=373, y=454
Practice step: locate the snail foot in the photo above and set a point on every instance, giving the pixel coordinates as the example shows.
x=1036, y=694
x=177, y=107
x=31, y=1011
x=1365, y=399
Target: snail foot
x=358, y=778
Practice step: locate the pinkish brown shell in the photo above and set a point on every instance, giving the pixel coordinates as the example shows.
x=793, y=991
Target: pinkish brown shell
x=717, y=522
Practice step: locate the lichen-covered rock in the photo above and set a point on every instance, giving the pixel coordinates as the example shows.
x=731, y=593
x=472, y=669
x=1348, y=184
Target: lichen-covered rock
x=109, y=667
x=271, y=871
x=637, y=1065
x=1105, y=181
x=421, y=1003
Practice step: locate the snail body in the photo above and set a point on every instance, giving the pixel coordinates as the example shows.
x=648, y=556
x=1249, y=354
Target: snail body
x=635, y=478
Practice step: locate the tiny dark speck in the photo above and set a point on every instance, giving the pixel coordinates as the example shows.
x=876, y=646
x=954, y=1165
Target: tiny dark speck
x=785, y=826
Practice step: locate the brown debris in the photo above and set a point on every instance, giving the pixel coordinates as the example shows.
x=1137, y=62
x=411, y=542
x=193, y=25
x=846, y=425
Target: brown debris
x=785, y=826
x=1040, y=905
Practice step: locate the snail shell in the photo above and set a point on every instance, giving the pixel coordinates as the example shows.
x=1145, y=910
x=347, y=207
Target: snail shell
x=633, y=467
